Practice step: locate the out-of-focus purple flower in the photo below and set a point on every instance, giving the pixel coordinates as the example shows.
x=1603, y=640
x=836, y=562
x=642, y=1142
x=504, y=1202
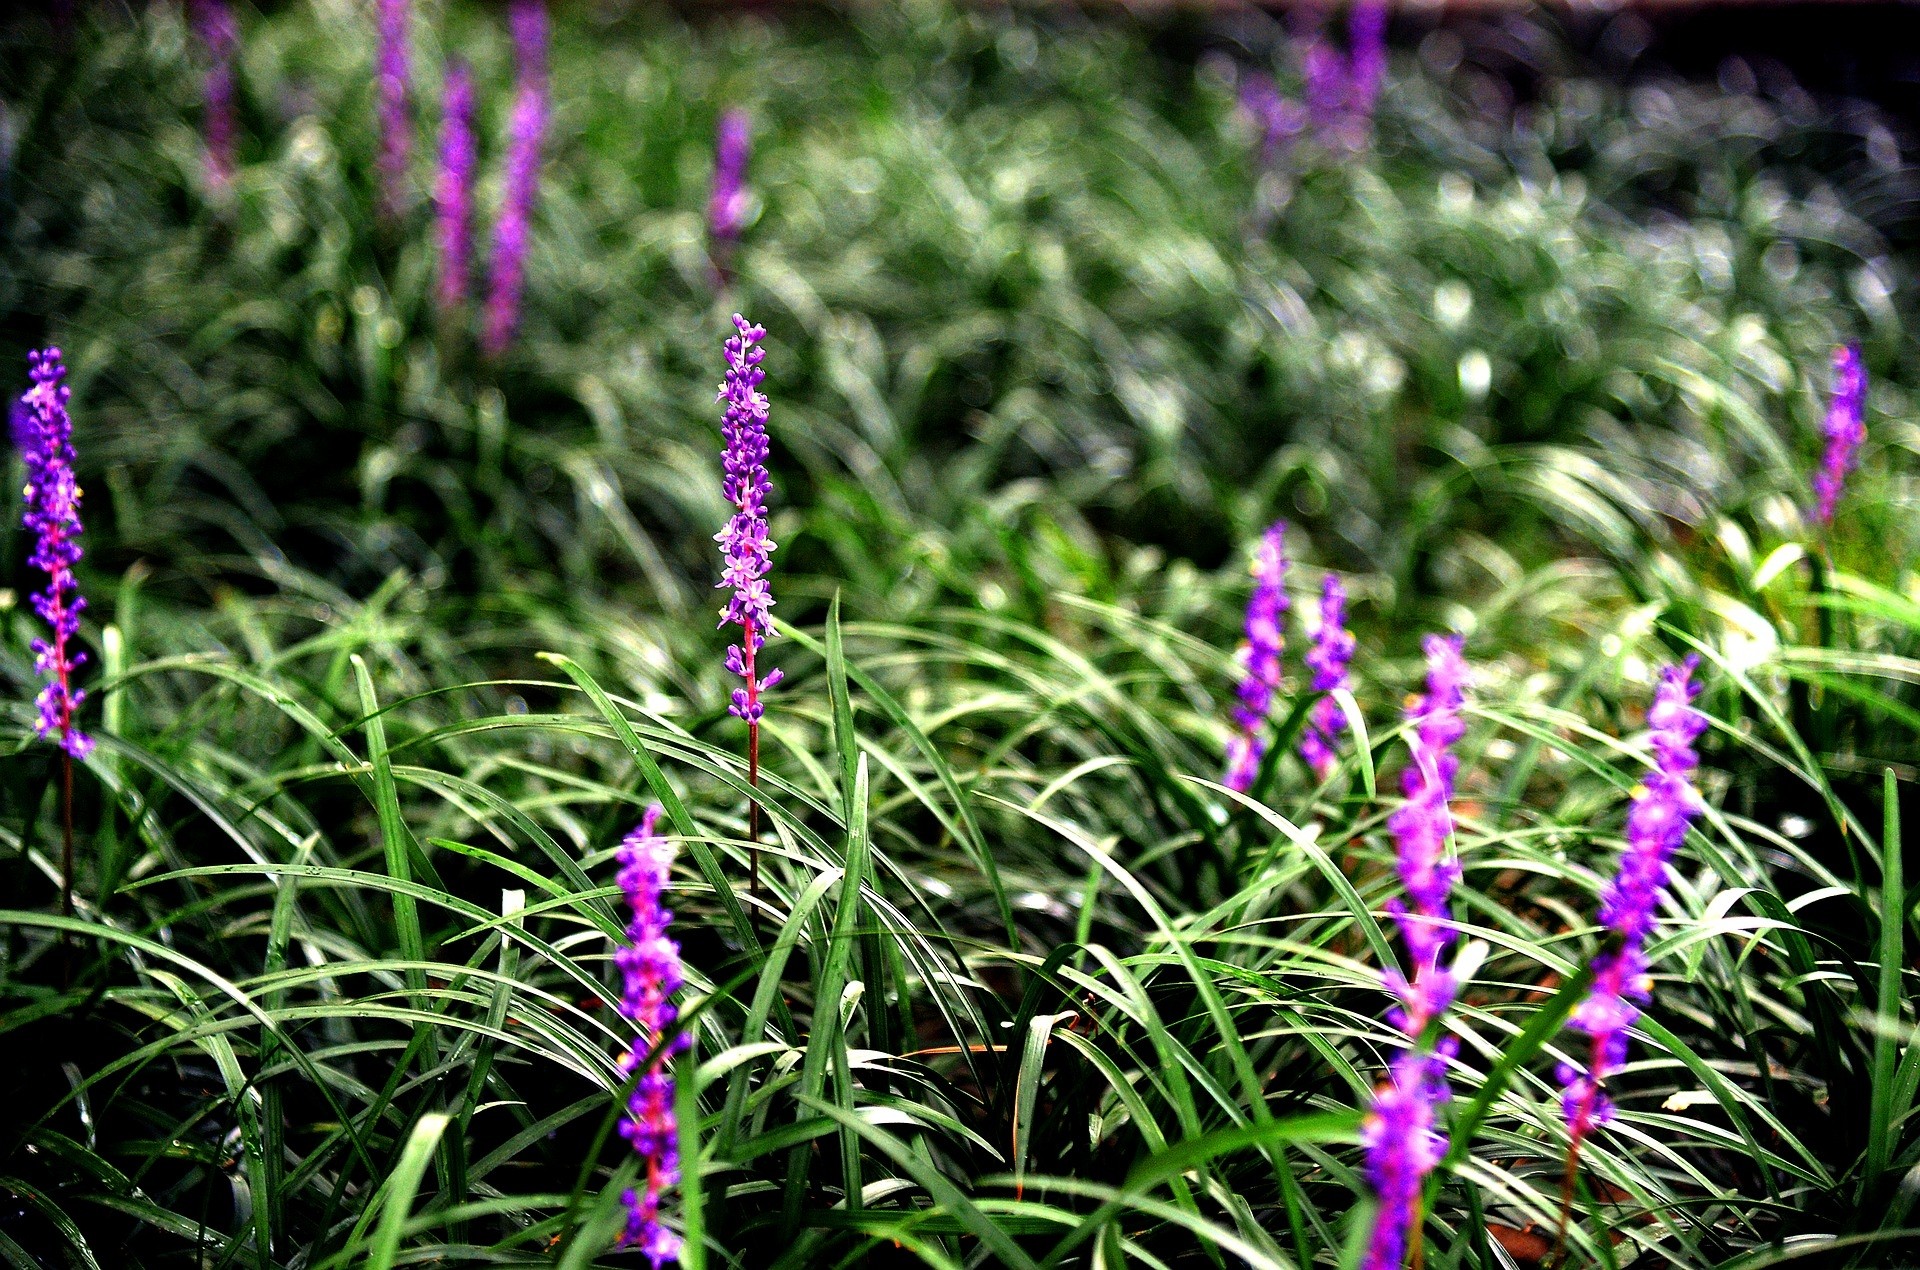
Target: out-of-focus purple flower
x=1367, y=51
x=390, y=81
x=214, y=21
x=1401, y=1143
x=1323, y=74
x=525, y=129
x=1277, y=119
x=45, y=434
x=1328, y=656
x=1420, y=828
x=453, y=188
x=744, y=542
x=651, y=973
x=1656, y=825
x=1845, y=428
x=1265, y=643
x=727, y=205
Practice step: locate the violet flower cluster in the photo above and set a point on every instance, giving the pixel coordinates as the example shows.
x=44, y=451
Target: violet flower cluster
x=744, y=542
x=1327, y=656
x=1845, y=428
x=44, y=432
x=1656, y=825
x=1341, y=90
x=1276, y=118
x=390, y=86
x=213, y=19
x=1265, y=643
x=727, y=205
x=525, y=129
x=453, y=187
x=1399, y=1135
x=651, y=973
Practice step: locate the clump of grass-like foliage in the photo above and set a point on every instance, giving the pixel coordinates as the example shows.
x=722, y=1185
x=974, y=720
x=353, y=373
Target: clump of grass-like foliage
x=395, y=641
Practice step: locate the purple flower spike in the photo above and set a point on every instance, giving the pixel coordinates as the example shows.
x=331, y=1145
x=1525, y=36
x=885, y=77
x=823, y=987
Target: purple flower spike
x=1845, y=427
x=453, y=189
x=214, y=21
x=1656, y=825
x=524, y=132
x=1403, y=1146
x=727, y=206
x=396, y=133
x=45, y=434
x=1367, y=50
x=1331, y=651
x=1401, y=1143
x=1324, y=75
x=1265, y=643
x=744, y=542
x=651, y=973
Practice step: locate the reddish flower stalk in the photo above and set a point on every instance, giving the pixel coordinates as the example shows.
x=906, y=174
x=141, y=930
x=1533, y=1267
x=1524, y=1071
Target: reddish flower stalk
x=1265, y=644
x=651, y=973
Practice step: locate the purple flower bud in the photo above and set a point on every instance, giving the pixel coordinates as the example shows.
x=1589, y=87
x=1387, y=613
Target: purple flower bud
x=525, y=129
x=396, y=132
x=45, y=433
x=650, y=974
x=1845, y=428
x=214, y=22
x=1663, y=804
x=1331, y=651
x=1265, y=643
x=727, y=206
x=453, y=189
x=744, y=543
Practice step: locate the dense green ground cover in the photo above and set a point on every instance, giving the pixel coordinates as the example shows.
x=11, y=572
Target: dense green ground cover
x=1021, y=986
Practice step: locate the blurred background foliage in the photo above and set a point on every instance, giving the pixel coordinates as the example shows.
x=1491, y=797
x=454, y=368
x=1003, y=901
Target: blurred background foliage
x=1049, y=344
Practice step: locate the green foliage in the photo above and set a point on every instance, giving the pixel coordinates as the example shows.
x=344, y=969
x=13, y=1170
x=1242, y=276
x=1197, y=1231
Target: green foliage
x=396, y=644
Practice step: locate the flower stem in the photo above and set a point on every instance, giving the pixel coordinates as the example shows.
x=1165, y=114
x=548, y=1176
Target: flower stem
x=753, y=763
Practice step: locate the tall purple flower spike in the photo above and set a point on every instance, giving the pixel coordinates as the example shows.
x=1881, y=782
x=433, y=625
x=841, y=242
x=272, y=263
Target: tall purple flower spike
x=1323, y=74
x=1845, y=428
x=1399, y=1135
x=727, y=205
x=525, y=129
x=213, y=19
x=1656, y=825
x=1367, y=53
x=744, y=542
x=1265, y=643
x=651, y=973
x=1328, y=657
x=453, y=188
x=44, y=433
x=390, y=83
